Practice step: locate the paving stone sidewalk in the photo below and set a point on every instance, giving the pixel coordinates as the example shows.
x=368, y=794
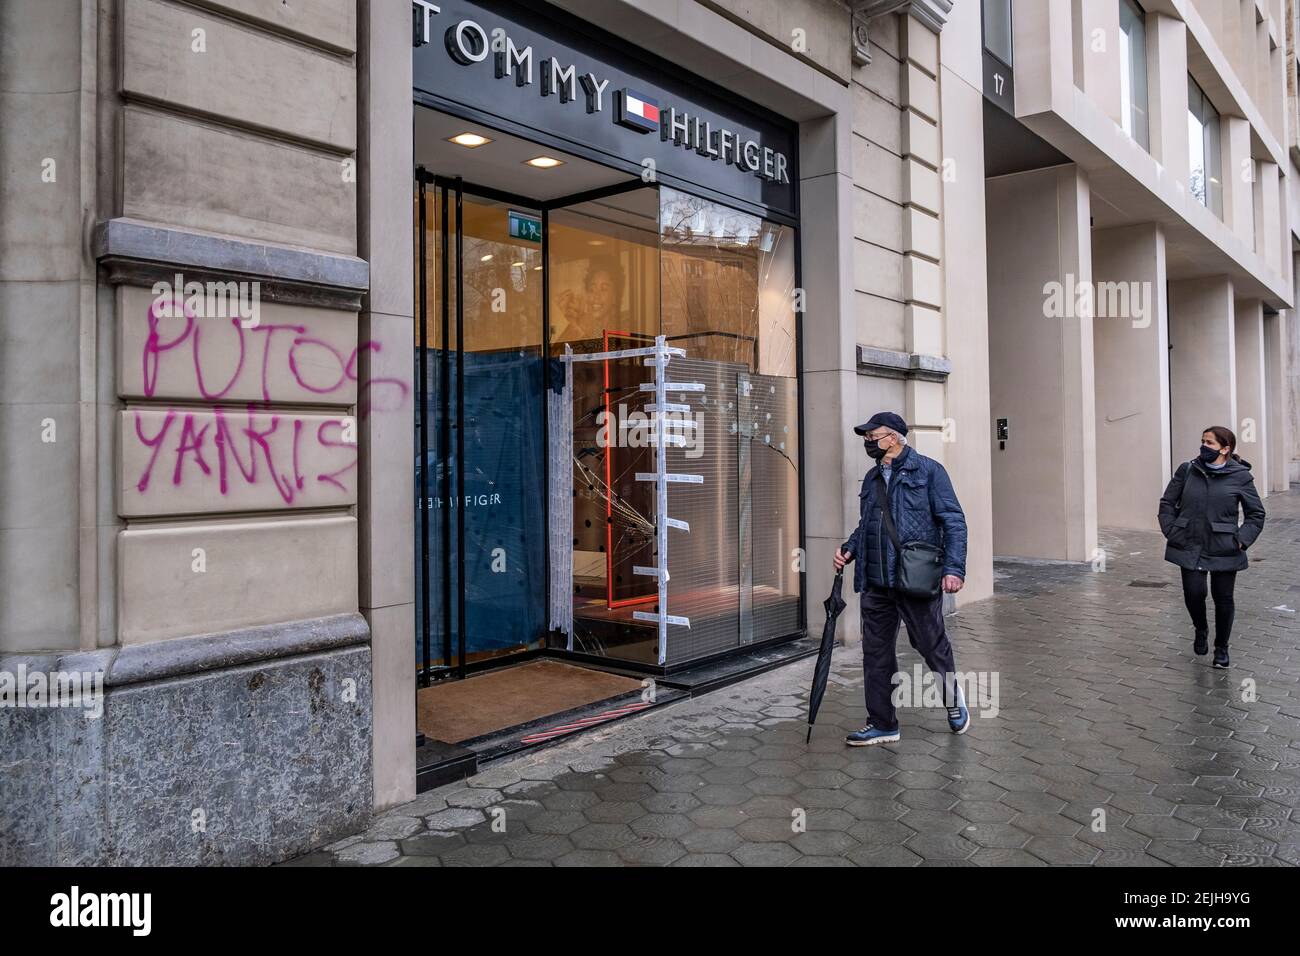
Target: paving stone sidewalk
x=1102, y=707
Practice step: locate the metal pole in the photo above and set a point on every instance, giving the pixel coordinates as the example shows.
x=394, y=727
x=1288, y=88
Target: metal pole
x=422, y=337
x=661, y=491
x=546, y=404
x=444, y=435
x=460, y=426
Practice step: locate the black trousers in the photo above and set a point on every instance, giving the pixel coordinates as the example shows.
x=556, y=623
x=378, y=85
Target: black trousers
x=1221, y=586
x=882, y=610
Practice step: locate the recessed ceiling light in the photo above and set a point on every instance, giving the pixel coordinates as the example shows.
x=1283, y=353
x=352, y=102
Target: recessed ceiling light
x=516, y=265
x=486, y=258
x=469, y=140
x=544, y=162
x=595, y=242
x=537, y=268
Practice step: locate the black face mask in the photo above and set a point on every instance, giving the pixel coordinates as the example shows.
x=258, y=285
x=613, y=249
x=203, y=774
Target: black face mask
x=1209, y=454
x=873, y=448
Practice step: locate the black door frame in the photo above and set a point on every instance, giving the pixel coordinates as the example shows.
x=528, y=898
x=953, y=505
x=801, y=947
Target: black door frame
x=458, y=187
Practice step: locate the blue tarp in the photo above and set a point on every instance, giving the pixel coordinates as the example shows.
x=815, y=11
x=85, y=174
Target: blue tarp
x=504, y=503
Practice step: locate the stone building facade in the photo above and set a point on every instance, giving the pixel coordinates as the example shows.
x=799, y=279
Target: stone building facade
x=216, y=517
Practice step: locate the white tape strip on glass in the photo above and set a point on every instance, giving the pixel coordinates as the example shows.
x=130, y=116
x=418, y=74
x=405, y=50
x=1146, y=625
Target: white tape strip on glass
x=674, y=386
x=650, y=572
x=671, y=477
x=669, y=618
x=677, y=523
x=620, y=353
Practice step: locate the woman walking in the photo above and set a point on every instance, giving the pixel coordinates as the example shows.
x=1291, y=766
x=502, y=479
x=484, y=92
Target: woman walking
x=1198, y=516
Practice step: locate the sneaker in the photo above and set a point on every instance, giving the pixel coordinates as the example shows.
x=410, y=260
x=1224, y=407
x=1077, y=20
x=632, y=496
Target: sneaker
x=1202, y=643
x=1220, y=657
x=959, y=716
x=871, y=735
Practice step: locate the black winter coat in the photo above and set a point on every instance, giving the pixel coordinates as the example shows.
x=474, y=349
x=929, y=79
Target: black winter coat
x=924, y=507
x=1198, y=516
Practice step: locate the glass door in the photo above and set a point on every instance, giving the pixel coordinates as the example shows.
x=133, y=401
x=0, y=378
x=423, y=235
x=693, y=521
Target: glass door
x=719, y=286
x=603, y=290
x=480, y=430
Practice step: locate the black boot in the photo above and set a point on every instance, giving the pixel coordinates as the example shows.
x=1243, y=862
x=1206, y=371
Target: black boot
x=1220, y=657
x=1202, y=643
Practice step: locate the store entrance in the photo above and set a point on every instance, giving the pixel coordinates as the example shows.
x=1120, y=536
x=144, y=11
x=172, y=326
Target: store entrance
x=607, y=482
x=483, y=374
x=480, y=480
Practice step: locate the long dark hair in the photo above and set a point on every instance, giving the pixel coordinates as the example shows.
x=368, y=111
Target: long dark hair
x=1225, y=438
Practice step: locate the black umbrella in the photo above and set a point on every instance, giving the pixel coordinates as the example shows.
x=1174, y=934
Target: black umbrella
x=834, y=604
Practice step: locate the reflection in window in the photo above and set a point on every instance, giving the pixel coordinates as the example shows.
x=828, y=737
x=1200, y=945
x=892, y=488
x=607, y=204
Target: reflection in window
x=728, y=284
x=604, y=288
x=1205, y=179
x=997, y=29
x=719, y=284
x=728, y=299
x=1133, y=71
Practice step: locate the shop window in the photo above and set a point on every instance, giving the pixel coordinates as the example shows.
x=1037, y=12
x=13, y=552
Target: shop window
x=1205, y=178
x=1133, y=71
x=719, y=284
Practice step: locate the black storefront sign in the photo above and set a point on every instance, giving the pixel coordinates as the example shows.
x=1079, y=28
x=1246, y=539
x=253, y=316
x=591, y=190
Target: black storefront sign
x=539, y=73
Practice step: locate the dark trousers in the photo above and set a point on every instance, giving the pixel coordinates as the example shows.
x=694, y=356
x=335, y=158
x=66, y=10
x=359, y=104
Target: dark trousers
x=882, y=610
x=1221, y=586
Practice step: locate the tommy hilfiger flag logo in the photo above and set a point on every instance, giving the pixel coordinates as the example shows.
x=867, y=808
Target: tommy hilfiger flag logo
x=637, y=112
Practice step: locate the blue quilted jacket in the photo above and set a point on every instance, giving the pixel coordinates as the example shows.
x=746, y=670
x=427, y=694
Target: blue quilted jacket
x=924, y=507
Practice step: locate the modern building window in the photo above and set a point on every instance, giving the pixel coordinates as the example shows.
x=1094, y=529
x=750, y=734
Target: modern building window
x=1205, y=178
x=1133, y=71
x=997, y=29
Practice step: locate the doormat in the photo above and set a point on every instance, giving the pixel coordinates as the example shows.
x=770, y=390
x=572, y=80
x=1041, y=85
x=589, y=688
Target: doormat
x=459, y=710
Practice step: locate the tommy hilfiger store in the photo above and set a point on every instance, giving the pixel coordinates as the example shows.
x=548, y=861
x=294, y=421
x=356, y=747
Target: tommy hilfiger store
x=608, y=415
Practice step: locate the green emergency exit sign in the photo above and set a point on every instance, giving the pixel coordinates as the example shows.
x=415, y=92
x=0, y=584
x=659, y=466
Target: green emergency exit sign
x=525, y=227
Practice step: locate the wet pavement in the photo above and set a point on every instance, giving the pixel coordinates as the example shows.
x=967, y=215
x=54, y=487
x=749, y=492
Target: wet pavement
x=1112, y=744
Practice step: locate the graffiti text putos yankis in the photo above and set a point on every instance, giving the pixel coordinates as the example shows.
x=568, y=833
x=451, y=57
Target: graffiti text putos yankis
x=241, y=449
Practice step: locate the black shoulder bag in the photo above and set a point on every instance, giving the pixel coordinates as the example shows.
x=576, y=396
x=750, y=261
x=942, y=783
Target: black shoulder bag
x=918, y=568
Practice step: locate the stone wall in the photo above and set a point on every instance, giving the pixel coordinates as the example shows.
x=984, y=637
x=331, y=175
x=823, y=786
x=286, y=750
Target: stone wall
x=181, y=493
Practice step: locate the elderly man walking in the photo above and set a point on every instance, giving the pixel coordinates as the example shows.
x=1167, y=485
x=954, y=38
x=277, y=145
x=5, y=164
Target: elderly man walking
x=924, y=525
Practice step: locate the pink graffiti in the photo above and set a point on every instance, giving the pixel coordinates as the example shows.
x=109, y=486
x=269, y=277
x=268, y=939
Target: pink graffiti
x=314, y=365
x=255, y=446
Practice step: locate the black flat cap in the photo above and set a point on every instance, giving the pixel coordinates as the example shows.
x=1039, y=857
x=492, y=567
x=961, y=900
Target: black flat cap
x=883, y=420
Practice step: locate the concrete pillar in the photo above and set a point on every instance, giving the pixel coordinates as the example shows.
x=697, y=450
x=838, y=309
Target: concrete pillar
x=48, y=383
x=1167, y=93
x=1202, y=361
x=1043, y=41
x=1291, y=385
x=965, y=289
x=1096, y=51
x=1041, y=364
x=1239, y=192
x=834, y=463
x=1131, y=354
x=1273, y=197
x=1275, y=400
x=1226, y=26
x=1252, y=413
x=387, y=481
